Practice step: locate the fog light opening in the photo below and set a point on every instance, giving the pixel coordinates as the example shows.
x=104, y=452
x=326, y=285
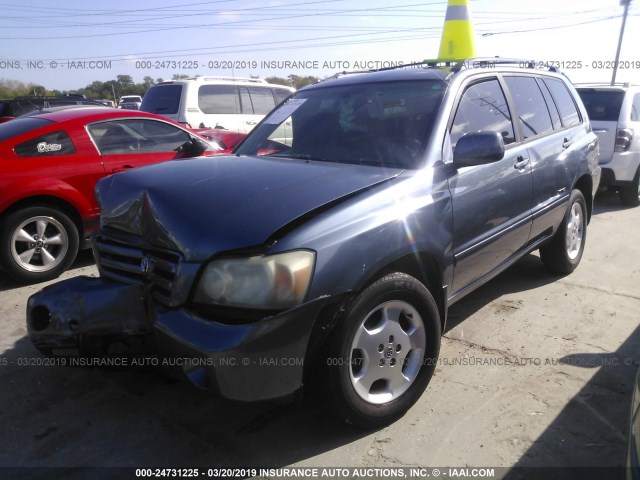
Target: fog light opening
x=40, y=318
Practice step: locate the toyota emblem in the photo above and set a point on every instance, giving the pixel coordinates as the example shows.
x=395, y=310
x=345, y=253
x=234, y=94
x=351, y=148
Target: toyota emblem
x=146, y=266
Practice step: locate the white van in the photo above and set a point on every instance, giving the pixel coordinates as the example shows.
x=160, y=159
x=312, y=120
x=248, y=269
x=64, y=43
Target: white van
x=236, y=104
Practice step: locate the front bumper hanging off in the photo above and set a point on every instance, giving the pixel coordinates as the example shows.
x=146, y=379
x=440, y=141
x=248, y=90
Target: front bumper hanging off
x=250, y=361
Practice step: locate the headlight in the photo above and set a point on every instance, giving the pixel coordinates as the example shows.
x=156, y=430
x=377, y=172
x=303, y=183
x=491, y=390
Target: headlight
x=267, y=282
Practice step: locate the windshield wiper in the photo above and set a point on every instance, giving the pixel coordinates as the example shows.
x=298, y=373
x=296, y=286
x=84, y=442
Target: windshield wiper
x=299, y=156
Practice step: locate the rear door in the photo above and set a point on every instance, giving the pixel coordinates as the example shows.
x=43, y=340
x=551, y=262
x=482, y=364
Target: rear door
x=130, y=143
x=491, y=203
x=548, y=140
x=256, y=103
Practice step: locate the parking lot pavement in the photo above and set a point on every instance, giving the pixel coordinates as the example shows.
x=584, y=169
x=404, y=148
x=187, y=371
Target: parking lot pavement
x=534, y=370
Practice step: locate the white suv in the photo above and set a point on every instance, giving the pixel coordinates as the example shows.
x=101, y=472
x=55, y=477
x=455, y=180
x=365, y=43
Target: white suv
x=614, y=111
x=236, y=104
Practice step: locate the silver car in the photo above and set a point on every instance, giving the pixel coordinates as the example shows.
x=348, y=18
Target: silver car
x=614, y=112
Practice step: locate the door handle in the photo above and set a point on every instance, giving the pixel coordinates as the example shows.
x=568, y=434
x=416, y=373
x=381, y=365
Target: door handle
x=566, y=143
x=521, y=162
x=251, y=122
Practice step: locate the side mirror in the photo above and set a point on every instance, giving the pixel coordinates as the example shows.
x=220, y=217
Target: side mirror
x=192, y=148
x=478, y=148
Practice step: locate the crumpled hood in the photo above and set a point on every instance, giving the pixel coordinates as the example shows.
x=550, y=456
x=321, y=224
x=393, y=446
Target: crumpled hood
x=204, y=206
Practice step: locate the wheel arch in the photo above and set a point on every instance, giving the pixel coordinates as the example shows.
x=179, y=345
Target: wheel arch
x=47, y=201
x=423, y=266
x=585, y=185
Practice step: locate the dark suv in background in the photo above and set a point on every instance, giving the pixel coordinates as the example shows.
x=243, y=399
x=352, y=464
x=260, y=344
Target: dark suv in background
x=10, y=109
x=337, y=237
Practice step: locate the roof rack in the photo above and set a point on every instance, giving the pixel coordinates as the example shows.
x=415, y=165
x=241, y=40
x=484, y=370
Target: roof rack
x=607, y=84
x=224, y=79
x=457, y=65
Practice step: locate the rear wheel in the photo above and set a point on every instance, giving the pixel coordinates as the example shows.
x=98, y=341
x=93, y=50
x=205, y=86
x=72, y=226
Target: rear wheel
x=383, y=354
x=37, y=244
x=630, y=195
x=564, y=252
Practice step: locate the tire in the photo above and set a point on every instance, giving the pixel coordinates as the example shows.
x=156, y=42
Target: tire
x=37, y=244
x=564, y=252
x=382, y=355
x=630, y=195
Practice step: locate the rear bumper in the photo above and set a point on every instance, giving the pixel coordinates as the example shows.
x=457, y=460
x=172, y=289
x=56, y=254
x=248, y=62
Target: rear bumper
x=254, y=361
x=621, y=169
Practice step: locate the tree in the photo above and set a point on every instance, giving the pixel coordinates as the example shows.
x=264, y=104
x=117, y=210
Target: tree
x=298, y=82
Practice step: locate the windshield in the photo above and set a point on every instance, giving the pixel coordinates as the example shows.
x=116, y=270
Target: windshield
x=385, y=124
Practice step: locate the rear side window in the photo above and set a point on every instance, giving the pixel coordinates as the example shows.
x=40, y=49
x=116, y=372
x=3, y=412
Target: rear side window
x=163, y=99
x=635, y=108
x=483, y=107
x=281, y=94
x=551, y=105
x=564, y=101
x=220, y=99
x=51, y=144
x=533, y=115
x=602, y=104
x=261, y=99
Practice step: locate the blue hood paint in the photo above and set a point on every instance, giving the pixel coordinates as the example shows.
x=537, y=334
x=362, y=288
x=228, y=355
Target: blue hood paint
x=202, y=207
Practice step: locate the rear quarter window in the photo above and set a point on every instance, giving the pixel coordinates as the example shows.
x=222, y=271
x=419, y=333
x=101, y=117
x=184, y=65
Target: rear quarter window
x=51, y=144
x=564, y=101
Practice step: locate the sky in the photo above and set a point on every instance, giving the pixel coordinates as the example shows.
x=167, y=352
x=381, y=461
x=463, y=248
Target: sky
x=77, y=42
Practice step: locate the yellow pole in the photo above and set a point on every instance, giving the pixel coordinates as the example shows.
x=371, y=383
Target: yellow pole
x=457, y=41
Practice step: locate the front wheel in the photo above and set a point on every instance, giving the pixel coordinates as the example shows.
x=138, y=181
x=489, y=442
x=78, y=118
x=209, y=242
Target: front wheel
x=383, y=354
x=564, y=252
x=37, y=244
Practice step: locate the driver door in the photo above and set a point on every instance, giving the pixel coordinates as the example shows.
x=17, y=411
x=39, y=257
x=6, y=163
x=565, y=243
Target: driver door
x=130, y=143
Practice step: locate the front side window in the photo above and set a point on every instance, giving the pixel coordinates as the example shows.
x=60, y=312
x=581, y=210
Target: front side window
x=136, y=136
x=533, y=115
x=219, y=99
x=382, y=124
x=483, y=107
x=48, y=145
x=564, y=101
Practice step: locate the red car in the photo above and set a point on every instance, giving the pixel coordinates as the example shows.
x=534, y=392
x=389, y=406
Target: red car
x=226, y=138
x=49, y=164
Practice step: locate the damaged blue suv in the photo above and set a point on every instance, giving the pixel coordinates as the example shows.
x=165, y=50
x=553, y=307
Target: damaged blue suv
x=337, y=236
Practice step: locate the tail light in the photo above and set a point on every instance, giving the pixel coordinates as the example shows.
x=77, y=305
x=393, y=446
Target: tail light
x=624, y=137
